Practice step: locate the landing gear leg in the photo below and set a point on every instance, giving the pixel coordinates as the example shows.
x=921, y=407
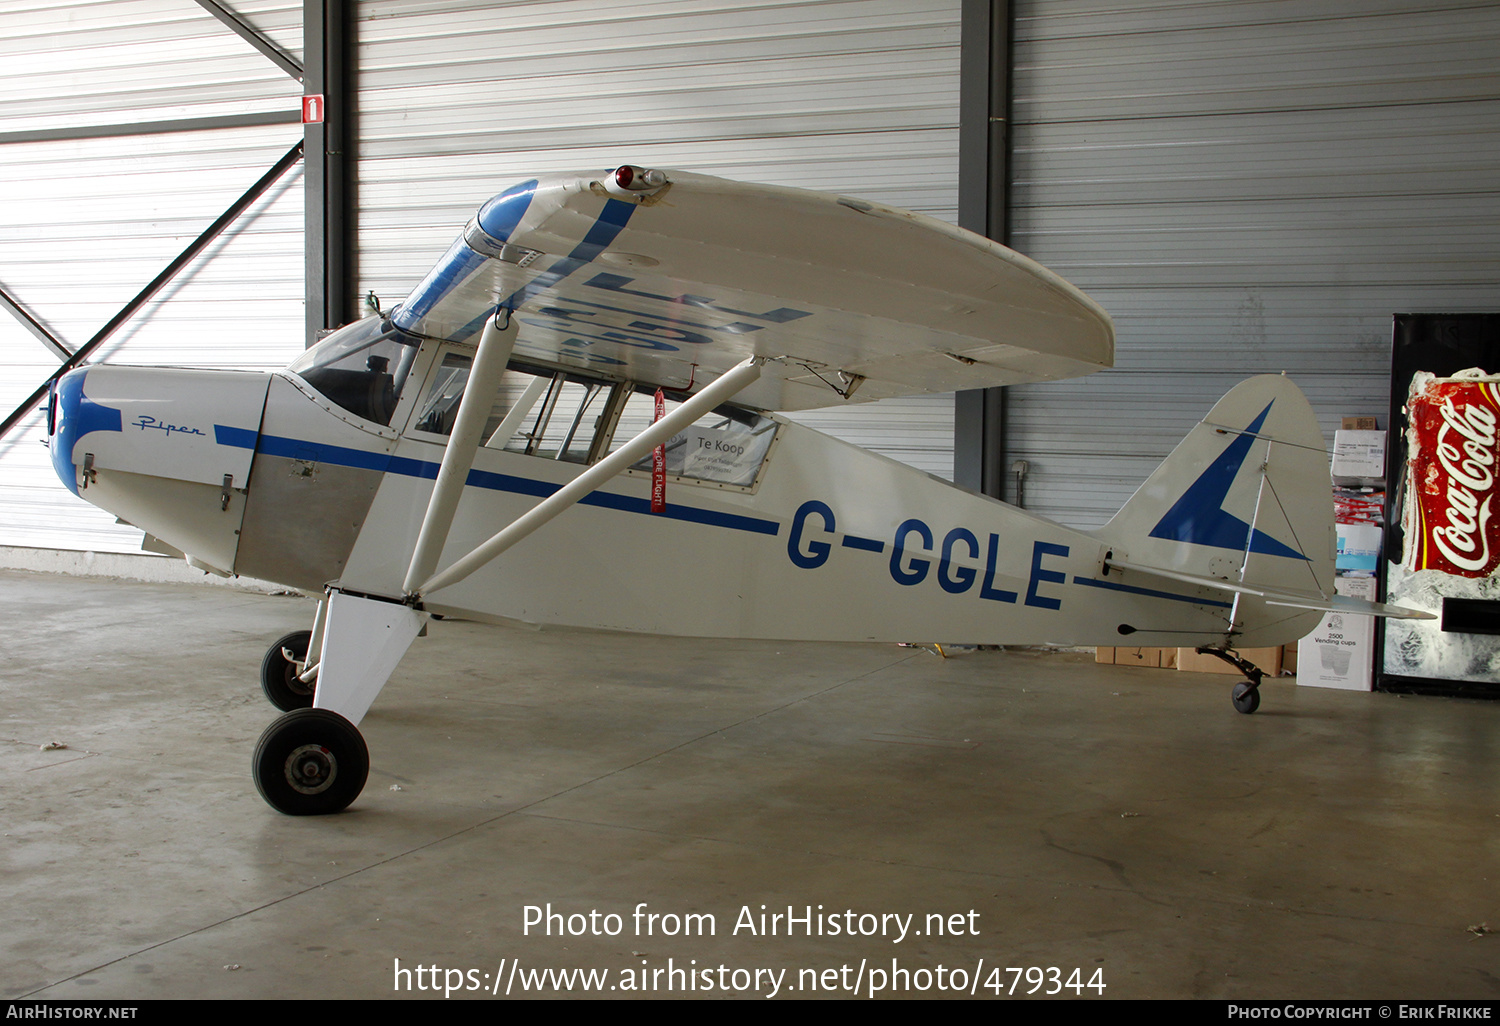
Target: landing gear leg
x=314, y=761
x=1246, y=694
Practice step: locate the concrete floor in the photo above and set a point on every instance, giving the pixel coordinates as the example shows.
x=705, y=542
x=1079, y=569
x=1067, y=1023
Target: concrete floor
x=1333, y=845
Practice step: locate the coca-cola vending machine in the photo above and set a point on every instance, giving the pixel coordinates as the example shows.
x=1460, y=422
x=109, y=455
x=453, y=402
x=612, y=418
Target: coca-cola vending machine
x=1442, y=539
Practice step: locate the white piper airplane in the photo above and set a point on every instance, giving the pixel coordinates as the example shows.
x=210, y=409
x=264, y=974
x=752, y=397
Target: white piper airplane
x=402, y=465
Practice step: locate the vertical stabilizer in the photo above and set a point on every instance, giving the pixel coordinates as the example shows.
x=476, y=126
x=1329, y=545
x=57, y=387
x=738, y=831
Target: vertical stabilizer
x=1243, y=498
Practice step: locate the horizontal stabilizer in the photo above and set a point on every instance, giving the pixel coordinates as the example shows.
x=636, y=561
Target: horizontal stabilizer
x=1349, y=604
x=1279, y=597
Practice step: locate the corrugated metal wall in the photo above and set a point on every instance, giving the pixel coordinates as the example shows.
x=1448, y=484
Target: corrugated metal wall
x=1247, y=188
x=86, y=222
x=462, y=98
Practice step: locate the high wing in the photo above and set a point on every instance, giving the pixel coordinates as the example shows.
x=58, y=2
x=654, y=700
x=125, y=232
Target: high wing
x=675, y=278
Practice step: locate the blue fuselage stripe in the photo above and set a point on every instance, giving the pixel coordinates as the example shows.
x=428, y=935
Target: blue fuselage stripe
x=1093, y=582
x=342, y=456
x=239, y=438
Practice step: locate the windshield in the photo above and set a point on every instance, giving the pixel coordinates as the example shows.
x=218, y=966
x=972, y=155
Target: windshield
x=360, y=367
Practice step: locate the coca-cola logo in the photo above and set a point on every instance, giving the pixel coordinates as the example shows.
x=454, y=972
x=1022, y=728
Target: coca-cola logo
x=1466, y=452
x=1453, y=463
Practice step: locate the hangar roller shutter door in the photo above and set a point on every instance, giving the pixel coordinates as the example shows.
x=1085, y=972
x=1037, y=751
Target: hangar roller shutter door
x=94, y=207
x=1247, y=188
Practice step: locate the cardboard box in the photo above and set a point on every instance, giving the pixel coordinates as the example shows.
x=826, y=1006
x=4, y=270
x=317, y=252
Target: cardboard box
x=1359, y=455
x=1360, y=586
x=1359, y=547
x=1268, y=659
x=1156, y=657
x=1137, y=656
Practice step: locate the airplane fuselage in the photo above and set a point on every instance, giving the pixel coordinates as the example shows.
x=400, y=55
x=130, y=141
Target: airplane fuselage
x=266, y=476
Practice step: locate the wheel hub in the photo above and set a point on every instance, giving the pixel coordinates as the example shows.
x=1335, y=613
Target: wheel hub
x=311, y=769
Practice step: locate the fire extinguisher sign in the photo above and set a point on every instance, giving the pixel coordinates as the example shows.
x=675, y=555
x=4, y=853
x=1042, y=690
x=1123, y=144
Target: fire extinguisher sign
x=312, y=109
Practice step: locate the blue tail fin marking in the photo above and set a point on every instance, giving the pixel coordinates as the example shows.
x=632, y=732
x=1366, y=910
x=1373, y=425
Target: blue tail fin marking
x=1199, y=518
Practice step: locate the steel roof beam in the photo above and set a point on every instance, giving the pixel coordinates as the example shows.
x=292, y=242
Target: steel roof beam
x=242, y=28
x=238, y=207
x=34, y=326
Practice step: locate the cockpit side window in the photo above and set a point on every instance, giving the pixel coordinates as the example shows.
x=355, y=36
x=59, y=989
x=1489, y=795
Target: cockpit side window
x=563, y=419
x=576, y=418
x=439, y=407
x=727, y=446
x=553, y=415
x=360, y=367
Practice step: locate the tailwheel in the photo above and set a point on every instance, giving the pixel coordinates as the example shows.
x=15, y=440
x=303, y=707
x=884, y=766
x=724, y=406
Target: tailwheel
x=1246, y=697
x=279, y=669
x=311, y=762
x=1246, y=694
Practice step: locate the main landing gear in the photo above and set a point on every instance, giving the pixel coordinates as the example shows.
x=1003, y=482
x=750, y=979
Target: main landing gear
x=1246, y=694
x=311, y=762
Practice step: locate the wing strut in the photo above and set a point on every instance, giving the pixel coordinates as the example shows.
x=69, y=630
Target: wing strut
x=512, y=422
x=711, y=395
x=495, y=346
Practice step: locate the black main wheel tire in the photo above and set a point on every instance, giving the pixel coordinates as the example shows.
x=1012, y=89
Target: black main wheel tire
x=311, y=762
x=278, y=677
x=1246, y=699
